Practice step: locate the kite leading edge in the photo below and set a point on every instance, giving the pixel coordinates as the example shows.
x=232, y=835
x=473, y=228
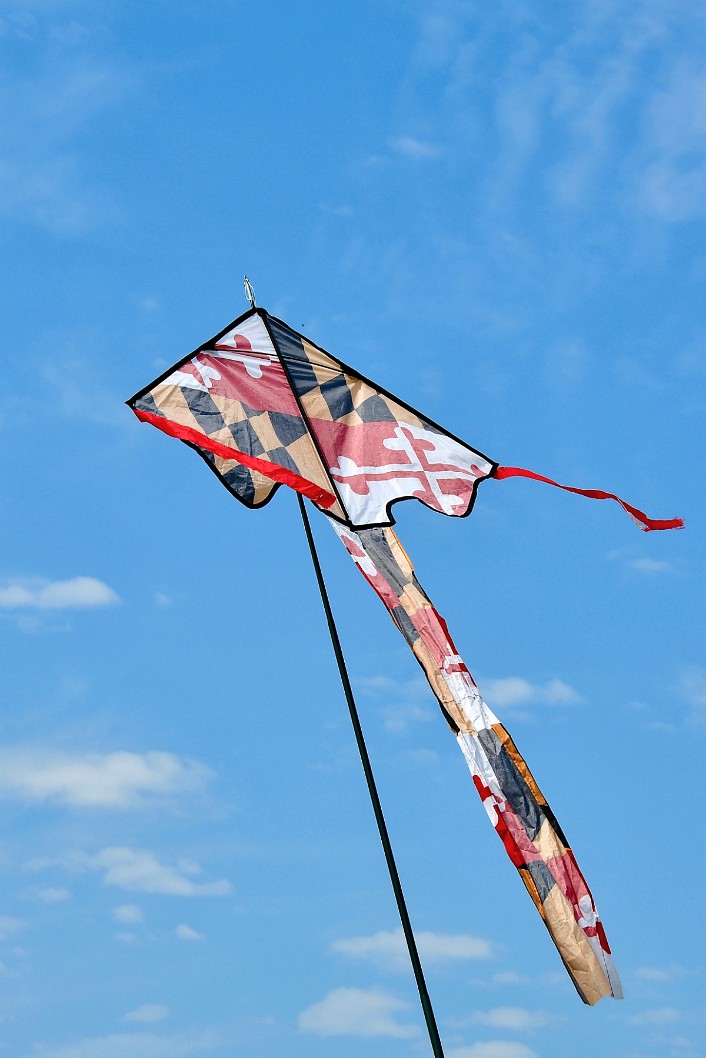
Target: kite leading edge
x=264, y=406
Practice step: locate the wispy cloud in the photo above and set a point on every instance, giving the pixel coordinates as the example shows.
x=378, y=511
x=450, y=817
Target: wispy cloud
x=511, y=691
x=131, y=1045
x=656, y=1016
x=658, y=974
x=112, y=780
x=148, y=1013
x=357, y=1012
x=140, y=871
x=77, y=593
x=692, y=686
x=9, y=926
x=493, y=1049
x=674, y=182
x=52, y=894
x=406, y=702
x=128, y=914
x=516, y=1018
x=510, y=977
x=184, y=932
x=651, y=565
x=388, y=949
x=419, y=150
x=564, y=114
x=45, y=172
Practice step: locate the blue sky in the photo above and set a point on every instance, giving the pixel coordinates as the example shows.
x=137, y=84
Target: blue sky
x=497, y=212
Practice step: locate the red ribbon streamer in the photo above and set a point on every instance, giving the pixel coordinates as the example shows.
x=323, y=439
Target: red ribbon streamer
x=639, y=517
x=269, y=470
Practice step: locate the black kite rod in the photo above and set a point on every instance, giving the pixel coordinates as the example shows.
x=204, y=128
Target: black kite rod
x=372, y=789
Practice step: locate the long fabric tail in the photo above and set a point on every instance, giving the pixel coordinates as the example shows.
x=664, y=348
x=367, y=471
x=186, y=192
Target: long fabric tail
x=640, y=519
x=517, y=809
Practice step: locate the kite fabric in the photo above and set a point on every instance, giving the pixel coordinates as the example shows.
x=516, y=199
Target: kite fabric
x=515, y=805
x=264, y=406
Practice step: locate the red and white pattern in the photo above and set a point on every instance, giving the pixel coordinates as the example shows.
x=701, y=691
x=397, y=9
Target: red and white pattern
x=375, y=464
x=511, y=797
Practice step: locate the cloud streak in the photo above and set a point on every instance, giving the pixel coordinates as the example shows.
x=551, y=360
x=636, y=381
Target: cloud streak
x=692, y=686
x=651, y=565
x=493, y=1049
x=184, y=932
x=77, y=593
x=119, y=780
x=140, y=871
x=131, y=1045
x=516, y=1018
x=418, y=150
x=388, y=949
x=148, y=1013
x=512, y=691
x=357, y=1012
x=45, y=175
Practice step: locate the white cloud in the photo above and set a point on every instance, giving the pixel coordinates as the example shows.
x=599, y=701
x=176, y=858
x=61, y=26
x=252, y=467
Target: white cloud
x=53, y=895
x=130, y=1045
x=651, y=565
x=388, y=949
x=148, y=1013
x=112, y=780
x=414, y=148
x=493, y=1049
x=140, y=871
x=128, y=914
x=510, y=977
x=185, y=932
x=656, y=1016
x=385, y=686
x=78, y=593
x=357, y=1012
x=512, y=691
x=516, y=1018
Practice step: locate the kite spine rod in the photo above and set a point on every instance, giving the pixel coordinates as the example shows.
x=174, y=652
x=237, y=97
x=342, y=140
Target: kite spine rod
x=372, y=790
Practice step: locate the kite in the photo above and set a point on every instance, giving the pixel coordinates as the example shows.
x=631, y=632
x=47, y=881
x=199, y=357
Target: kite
x=264, y=406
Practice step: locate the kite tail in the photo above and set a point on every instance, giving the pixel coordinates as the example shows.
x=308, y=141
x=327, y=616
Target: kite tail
x=516, y=806
x=639, y=517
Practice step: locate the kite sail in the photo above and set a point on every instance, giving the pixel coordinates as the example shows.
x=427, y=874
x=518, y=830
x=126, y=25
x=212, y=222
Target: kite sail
x=264, y=406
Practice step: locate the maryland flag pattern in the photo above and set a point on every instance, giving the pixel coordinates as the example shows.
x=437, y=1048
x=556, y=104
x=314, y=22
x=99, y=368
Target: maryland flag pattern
x=515, y=805
x=264, y=407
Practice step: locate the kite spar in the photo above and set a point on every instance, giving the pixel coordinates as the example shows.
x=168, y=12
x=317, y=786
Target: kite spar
x=264, y=406
x=427, y=1008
